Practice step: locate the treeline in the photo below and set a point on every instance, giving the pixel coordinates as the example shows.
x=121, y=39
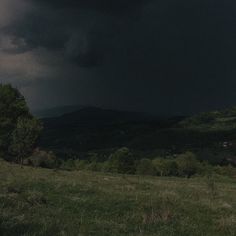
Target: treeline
x=123, y=161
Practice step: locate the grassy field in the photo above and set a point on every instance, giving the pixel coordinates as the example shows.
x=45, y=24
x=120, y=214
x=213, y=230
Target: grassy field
x=47, y=202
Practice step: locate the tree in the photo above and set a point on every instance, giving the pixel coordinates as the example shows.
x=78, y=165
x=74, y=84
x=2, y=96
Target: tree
x=24, y=137
x=145, y=167
x=165, y=167
x=187, y=164
x=12, y=106
x=121, y=161
x=19, y=130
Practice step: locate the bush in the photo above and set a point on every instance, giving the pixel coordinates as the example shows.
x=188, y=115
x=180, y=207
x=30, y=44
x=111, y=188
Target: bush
x=225, y=170
x=106, y=166
x=94, y=166
x=145, y=167
x=187, y=164
x=42, y=159
x=80, y=164
x=68, y=165
x=165, y=167
x=121, y=161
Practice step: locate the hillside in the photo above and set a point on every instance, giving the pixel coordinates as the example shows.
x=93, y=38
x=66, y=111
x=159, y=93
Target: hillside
x=101, y=131
x=46, y=202
x=212, y=121
x=93, y=128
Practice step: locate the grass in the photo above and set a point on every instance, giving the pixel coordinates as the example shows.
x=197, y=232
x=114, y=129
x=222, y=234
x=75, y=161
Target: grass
x=47, y=202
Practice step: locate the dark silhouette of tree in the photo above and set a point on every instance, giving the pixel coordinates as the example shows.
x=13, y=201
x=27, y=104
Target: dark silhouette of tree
x=19, y=130
x=24, y=138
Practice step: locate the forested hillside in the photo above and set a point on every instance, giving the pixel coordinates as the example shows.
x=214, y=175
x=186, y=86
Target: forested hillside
x=93, y=129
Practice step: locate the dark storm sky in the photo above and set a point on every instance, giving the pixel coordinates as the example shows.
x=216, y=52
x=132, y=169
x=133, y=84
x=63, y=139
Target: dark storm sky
x=162, y=56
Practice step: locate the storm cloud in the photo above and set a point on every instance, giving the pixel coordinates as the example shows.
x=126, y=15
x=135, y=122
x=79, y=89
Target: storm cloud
x=167, y=57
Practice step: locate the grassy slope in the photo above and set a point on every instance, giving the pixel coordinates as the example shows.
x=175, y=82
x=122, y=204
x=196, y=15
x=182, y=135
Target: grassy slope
x=223, y=120
x=47, y=202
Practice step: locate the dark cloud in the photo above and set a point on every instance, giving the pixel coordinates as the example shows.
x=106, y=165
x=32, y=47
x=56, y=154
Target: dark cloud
x=105, y=6
x=163, y=56
x=83, y=33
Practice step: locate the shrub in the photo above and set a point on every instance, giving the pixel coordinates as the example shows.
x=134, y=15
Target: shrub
x=94, y=166
x=106, y=166
x=165, y=167
x=187, y=164
x=43, y=159
x=145, y=167
x=225, y=170
x=121, y=161
x=80, y=164
x=68, y=165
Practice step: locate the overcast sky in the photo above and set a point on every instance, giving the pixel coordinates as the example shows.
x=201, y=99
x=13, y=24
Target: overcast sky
x=162, y=56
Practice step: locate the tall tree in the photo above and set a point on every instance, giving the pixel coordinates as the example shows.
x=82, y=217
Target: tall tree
x=24, y=138
x=13, y=114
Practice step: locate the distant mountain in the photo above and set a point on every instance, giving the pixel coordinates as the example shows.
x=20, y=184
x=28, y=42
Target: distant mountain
x=56, y=111
x=95, y=128
x=85, y=115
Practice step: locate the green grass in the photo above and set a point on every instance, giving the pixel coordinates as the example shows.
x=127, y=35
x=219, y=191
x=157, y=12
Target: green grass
x=46, y=202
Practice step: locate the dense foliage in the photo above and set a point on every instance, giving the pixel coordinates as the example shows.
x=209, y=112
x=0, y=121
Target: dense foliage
x=124, y=161
x=19, y=130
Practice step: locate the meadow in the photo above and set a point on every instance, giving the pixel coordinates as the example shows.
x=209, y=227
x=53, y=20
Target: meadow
x=36, y=201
